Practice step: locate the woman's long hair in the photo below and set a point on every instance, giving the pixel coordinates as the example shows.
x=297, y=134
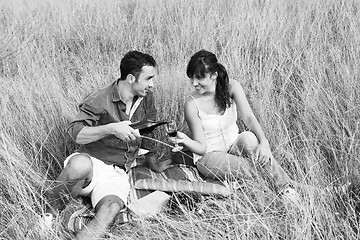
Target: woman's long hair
x=204, y=62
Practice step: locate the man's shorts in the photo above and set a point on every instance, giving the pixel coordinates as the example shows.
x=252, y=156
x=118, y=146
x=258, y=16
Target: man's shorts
x=107, y=180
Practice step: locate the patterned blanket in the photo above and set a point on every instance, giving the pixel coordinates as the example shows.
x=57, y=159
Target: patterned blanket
x=180, y=178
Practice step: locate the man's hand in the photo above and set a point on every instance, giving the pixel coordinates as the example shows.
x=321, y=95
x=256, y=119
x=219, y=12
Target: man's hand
x=123, y=131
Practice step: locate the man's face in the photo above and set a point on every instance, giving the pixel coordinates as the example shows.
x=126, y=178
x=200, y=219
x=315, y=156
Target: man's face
x=145, y=81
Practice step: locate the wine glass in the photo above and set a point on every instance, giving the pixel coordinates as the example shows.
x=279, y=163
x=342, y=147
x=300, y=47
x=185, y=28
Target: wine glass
x=171, y=130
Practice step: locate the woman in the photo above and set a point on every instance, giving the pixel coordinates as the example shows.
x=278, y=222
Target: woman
x=211, y=114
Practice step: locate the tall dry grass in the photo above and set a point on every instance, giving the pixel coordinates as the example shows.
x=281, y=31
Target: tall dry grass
x=297, y=60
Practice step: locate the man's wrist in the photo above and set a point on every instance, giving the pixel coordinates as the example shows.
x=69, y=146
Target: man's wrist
x=108, y=129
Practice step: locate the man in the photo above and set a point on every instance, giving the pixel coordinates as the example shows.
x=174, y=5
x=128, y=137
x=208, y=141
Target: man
x=109, y=146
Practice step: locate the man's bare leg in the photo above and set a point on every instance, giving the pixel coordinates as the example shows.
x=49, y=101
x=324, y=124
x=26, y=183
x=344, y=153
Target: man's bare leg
x=76, y=175
x=105, y=212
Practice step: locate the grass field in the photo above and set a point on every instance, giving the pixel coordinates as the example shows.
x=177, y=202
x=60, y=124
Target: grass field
x=297, y=60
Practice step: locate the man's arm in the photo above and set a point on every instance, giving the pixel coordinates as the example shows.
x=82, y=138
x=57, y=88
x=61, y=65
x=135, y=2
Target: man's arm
x=85, y=128
x=121, y=130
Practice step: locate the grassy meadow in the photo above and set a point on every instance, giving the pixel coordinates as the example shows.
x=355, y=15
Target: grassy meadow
x=297, y=60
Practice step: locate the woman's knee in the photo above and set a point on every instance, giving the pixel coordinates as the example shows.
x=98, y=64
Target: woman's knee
x=216, y=165
x=209, y=172
x=79, y=166
x=205, y=171
x=247, y=142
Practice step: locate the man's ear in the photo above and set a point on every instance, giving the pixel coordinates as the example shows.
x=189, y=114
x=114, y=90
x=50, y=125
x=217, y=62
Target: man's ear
x=130, y=78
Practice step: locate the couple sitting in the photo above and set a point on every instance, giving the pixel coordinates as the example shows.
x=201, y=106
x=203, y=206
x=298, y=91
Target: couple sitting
x=110, y=147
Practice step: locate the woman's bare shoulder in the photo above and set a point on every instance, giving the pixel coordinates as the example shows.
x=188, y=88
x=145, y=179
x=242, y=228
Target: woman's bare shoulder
x=189, y=101
x=234, y=83
x=235, y=87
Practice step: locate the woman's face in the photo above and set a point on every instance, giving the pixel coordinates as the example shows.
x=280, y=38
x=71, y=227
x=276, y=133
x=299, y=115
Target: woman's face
x=205, y=84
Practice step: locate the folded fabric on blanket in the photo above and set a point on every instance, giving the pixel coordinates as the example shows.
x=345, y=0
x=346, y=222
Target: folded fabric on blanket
x=176, y=179
x=170, y=185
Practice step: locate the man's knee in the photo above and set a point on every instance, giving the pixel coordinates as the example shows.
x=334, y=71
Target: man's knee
x=108, y=207
x=78, y=167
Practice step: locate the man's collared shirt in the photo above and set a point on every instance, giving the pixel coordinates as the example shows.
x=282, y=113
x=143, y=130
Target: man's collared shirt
x=105, y=106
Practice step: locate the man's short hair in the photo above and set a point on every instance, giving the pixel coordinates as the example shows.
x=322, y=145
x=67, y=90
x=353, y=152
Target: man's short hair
x=133, y=61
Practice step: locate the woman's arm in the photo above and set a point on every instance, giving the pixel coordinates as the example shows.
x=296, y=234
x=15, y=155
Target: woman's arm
x=198, y=143
x=263, y=152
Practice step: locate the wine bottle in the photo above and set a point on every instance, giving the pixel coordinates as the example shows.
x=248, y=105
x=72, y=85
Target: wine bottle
x=146, y=126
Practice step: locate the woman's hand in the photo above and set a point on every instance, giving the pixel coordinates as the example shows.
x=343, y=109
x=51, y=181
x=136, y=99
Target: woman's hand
x=180, y=138
x=263, y=154
x=192, y=145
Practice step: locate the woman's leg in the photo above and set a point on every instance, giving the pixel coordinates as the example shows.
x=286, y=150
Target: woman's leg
x=246, y=145
x=221, y=166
